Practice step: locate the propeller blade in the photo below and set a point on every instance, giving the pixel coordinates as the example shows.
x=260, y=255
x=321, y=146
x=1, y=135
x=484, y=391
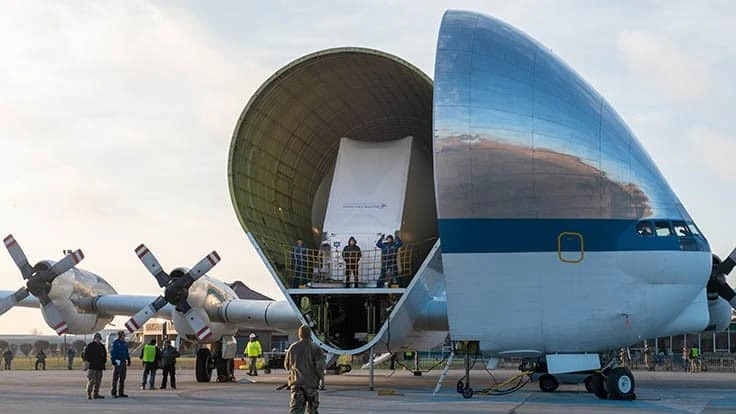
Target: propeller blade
x=54, y=319
x=727, y=265
x=153, y=266
x=18, y=256
x=10, y=301
x=204, y=266
x=143, y=315
x=198, y=325
x=69, y=261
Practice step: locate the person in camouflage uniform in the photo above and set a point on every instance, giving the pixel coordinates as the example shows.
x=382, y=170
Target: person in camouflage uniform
x=305, y=363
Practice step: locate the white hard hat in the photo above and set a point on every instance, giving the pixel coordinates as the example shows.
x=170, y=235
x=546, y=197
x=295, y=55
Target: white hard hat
x=252, y=336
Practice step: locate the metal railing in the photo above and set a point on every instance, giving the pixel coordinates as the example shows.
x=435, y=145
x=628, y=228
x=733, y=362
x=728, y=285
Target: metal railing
x=330, y=268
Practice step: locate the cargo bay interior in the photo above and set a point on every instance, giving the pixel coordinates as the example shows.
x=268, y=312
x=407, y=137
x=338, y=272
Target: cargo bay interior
x=337, y=144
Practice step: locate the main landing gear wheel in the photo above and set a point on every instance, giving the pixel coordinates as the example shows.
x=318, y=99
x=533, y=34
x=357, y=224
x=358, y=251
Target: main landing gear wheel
x=620, y=384
x=468, y=393
x=204, y=365
x=588, y=387
x=597, y=386
x=548, y=383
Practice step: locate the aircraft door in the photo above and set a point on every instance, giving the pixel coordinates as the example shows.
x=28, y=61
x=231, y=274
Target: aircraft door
x=570, y=247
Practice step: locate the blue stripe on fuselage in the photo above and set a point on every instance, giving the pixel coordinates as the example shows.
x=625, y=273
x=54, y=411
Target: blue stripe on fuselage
x=541, y=235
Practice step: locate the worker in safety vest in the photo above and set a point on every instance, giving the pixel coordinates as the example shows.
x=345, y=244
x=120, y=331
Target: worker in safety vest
x=253, y=351
x=150, y=356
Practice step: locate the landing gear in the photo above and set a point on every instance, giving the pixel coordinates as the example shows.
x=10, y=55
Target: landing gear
x=204, y=365
x=617, y=384
x=548, y=383
x=597, y=386
x=464, y=388
x=620, y=384
x=588, y=386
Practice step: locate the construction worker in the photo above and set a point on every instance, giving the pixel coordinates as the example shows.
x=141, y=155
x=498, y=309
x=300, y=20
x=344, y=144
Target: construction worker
x=253, y=351
x=150, y=354
x=305, y=363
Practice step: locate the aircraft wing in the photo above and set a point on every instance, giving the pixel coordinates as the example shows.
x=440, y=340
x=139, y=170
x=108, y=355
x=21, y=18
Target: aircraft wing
x=256, y=314
x=125, y=305
x=248, y=313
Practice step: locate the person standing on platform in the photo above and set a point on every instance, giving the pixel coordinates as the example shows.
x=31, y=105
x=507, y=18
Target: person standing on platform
x=351, y=254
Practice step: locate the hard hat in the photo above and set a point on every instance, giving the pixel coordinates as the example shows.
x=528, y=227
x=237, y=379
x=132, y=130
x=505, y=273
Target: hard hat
x=252, y=336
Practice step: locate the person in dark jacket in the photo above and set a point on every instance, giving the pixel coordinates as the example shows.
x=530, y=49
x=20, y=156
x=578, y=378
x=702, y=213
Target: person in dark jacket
x=41, y=360
x=95, y=355
x=168, y=360
x=8, y=357
x=351, y=254
x=70, y=354
x=299, y=262
x=389, y=255
x=120, y=359
x=150, y=354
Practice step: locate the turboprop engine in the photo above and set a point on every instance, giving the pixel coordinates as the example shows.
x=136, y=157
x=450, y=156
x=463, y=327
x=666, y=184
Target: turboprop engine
x=59, y=287
x=188, y=290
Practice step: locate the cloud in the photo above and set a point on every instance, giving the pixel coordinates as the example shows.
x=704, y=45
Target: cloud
x=668, y=68
x=715, y=149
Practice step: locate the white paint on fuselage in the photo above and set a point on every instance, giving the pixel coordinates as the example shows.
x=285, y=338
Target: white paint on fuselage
x=513, y=301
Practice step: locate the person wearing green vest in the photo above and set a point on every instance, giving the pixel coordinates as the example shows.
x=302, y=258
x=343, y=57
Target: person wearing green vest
x=253, y=351
x=150, y=356
x=694, y=358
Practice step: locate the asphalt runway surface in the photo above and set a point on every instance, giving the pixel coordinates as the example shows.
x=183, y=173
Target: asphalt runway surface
x=657, y=392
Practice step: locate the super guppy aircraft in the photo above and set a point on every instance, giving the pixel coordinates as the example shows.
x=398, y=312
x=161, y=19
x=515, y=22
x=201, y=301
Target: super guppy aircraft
x=534, y=223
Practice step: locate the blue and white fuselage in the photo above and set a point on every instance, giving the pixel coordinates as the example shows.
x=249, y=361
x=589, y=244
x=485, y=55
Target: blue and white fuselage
x=556, y=225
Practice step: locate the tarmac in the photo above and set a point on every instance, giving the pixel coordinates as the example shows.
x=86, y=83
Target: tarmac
x=657, y=392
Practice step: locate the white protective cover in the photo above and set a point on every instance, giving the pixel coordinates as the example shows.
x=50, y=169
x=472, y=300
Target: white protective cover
x=367, y=195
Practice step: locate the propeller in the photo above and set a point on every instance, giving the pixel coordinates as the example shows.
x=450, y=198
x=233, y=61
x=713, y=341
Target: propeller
x=176, y=290
x=39, y=279
x=717, y=284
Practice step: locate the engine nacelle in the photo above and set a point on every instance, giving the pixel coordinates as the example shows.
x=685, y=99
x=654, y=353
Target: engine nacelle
x=720, y=313
x=211, y=292
x=72, y=288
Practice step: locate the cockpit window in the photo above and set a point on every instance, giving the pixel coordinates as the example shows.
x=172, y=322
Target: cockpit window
x=680, y=228
x=662, y=228
x=693, y=229
x=644, y=228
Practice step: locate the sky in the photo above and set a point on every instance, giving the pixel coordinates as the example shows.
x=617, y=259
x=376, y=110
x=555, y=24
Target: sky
x=116, y=117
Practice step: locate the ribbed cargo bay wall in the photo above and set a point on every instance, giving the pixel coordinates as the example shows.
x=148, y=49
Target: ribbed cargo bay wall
x=285, y=143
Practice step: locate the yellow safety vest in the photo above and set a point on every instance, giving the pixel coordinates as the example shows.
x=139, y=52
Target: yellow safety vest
x=253, y=349
x=149, y=353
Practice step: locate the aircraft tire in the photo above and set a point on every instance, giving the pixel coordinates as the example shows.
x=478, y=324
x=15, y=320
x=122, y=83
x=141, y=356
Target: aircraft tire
x=587, y=382
x=468, y=393
x=203, y=368
x=597, y=385
x=620, y=383
x=548, y=383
